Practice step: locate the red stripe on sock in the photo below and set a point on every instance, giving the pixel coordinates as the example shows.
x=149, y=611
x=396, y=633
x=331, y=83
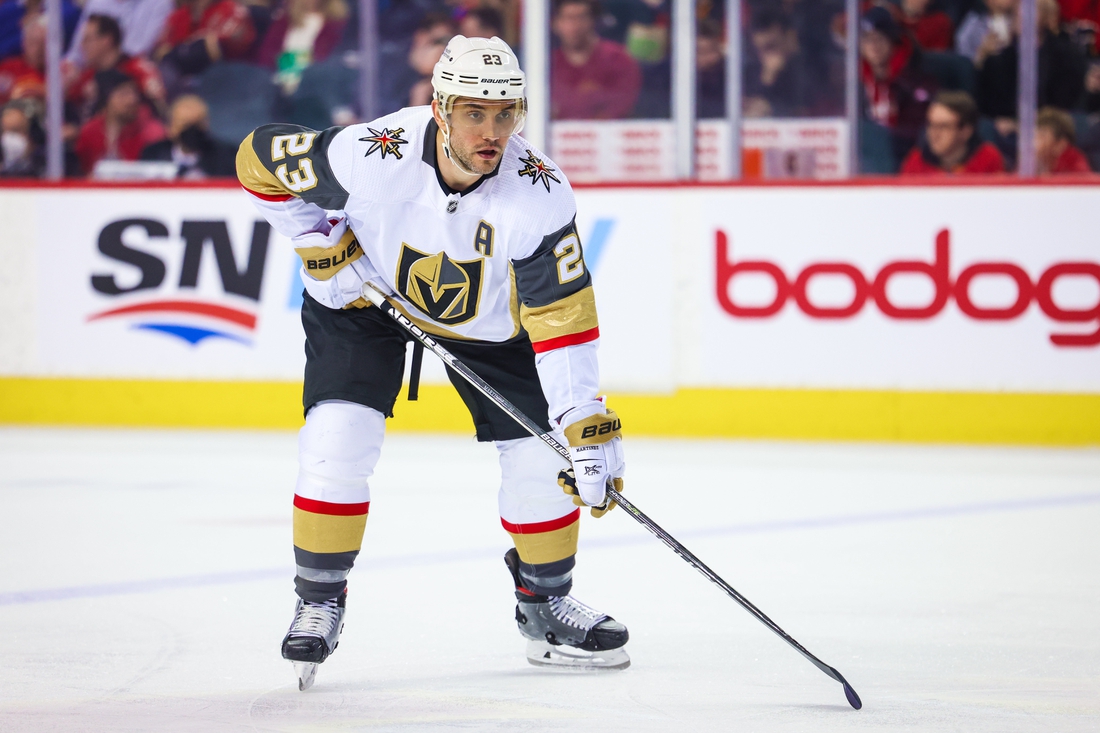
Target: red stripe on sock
x=571, y=340
x=325, y=507
x=539, y=527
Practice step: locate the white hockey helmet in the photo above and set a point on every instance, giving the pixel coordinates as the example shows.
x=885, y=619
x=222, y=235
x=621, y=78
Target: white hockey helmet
x=479, y=68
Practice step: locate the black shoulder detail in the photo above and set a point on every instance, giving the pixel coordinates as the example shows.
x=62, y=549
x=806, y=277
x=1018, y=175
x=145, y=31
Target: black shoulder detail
x=554, y=271
x=298, y=157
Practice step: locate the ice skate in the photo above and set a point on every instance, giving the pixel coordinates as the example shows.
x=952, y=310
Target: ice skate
x=562, y=632
x=313, y=636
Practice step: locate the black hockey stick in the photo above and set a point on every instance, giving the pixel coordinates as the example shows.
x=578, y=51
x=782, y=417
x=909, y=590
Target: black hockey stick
x=502, y=402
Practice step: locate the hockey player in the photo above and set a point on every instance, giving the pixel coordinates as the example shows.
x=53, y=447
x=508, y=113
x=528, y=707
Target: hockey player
x=470, y=231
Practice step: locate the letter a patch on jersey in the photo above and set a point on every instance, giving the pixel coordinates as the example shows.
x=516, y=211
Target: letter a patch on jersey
x=446, y=290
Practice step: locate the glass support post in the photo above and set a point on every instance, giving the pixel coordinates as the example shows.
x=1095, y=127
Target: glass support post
x=536, y=67
x=852, y=101
x=733, y=84
x=683, y=86
x=55, y=40
x=368, y=60
x=1029, y=88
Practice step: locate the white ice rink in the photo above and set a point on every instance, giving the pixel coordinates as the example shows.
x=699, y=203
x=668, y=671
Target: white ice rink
x=145, y=584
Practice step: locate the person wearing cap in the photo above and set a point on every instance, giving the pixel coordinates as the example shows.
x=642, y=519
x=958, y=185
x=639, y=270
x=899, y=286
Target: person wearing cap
x=896, y=92
x=470, y=232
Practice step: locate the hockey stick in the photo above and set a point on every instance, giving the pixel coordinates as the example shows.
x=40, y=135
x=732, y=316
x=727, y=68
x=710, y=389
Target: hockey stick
x=502, y=402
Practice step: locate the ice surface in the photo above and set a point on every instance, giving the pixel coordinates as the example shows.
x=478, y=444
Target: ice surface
x=145, y=584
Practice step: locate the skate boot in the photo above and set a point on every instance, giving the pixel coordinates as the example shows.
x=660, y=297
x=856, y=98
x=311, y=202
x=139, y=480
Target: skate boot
x=313, y=636
x=563, y=632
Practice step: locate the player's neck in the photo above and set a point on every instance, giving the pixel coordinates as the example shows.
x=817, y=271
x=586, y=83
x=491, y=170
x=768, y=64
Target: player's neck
x=457, y=179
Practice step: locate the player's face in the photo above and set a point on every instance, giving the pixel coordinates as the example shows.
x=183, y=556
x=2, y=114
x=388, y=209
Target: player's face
x=480, y=130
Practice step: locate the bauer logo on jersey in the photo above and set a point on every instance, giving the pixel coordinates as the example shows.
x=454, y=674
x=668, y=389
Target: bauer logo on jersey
x=446, y=290
x=538, y=170
x=386, y=142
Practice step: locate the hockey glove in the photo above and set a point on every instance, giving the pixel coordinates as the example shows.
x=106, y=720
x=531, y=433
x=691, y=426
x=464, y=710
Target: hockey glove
x=333, y=266
x=594, y=434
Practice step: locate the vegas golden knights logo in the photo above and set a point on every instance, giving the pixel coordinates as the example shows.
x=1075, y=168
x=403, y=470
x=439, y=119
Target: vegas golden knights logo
x=447, y=290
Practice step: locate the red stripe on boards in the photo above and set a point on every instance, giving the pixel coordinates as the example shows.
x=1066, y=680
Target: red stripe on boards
x=336, y=510
x=571, y=340
x=539, y=527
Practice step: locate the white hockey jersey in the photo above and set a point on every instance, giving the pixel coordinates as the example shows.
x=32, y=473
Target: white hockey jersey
x=484, y=264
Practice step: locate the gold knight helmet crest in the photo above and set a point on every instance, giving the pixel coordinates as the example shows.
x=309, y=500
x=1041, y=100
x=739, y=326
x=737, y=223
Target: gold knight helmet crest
x=446, y=290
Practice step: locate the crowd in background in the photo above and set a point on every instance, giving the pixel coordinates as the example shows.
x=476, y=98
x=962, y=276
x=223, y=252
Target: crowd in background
x=181, y=81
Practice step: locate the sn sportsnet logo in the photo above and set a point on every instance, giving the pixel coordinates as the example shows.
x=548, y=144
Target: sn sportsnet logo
x=873, y=287
x=143, y=251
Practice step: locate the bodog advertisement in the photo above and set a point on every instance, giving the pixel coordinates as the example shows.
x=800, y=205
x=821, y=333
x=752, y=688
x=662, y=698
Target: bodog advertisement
x=938, y=288
x=911, y=288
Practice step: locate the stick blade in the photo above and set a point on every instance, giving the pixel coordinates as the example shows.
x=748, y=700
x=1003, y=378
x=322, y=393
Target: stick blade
x=853, y=698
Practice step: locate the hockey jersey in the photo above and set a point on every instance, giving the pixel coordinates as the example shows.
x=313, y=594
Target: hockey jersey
x=481, y=264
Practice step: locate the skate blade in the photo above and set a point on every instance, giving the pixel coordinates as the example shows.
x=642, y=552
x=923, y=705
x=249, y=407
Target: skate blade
x=307, y=673
x=542, y=654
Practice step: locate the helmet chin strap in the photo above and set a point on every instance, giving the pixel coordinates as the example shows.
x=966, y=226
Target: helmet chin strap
x=447, y=149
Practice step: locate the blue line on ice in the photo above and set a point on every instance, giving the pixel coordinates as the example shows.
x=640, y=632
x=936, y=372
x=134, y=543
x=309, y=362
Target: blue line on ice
x=12, y=598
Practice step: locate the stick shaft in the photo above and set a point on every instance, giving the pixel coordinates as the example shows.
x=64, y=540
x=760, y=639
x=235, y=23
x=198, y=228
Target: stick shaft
x=503, y=403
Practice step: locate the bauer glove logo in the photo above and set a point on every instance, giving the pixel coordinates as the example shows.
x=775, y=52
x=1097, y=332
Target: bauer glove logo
x=604, y=428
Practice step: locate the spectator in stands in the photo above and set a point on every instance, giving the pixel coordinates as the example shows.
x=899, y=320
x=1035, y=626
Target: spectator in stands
x=951, y=144
x=710, y=71
x=776, y=80
x=201, y=32
x=502, y=20
x=896, y=92
x=102, y=50
x=482, y=23
x=1090, y=101
x=141, y=21
x=982, y=34
x=1056, y=148
x=931, y=29
x=260, y=12
x=590, y=78
x=21, y=138
x=1061, y=72
x=1081, y=13
x=25, y=75
x=812, y=21
x=123, y=127
x=189, y=144
x=303, y=33
x=14, y=14
x=429, y=40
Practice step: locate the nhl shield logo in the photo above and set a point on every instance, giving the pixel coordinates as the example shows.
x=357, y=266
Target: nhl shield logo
x=446, y=290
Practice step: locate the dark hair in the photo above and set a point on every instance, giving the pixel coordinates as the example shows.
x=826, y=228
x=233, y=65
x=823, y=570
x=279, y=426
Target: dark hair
x=962, y=104
x=1058, y=122
x=767, y=18
x=107, y=82
x=490, y=18
x=105, y=25
x=881, y=20
x=592, y=5
x=431, y=20
x=709, y=28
